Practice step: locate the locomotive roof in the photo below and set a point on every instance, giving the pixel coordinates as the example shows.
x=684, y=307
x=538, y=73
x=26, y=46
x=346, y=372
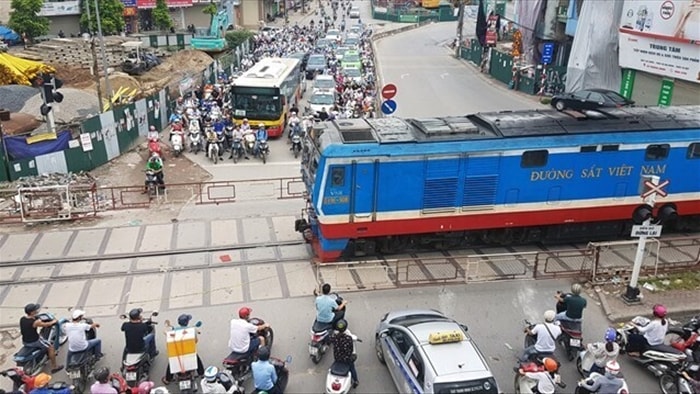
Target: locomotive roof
x=509, y=124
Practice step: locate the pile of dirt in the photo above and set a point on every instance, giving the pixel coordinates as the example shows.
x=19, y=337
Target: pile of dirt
x=73, y=77
x=181, y=63
x=20, y=123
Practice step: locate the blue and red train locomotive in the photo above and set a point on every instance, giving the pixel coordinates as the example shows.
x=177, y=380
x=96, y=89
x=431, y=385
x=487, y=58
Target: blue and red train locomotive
x=379, y=186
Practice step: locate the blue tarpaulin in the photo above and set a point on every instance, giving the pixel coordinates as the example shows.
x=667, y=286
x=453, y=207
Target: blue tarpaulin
x=18, y=148
x=8, y=35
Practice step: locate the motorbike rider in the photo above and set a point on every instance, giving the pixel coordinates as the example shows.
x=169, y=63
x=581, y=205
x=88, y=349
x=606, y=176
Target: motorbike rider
x=245, y=126
x=545, y=379
x=183, y=322
x=327, y=309
x=30, y=336
x=211, y=384
x=211, y=137
x=603, y=384
x=152, y=133
x=572, y=305
x=546, y=333
x=77, y=341
x=604, y=352
x=102, y=384
x=155, y=164
x=260, y=135
x=650, y=335
x=264, y=373
x=238, y=136
x=294, y=124
x=243, y=338
x=343, y=345
x=138, y=335
x=41, y=386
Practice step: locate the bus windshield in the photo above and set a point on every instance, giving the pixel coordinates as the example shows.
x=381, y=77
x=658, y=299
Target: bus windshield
x=257, y=106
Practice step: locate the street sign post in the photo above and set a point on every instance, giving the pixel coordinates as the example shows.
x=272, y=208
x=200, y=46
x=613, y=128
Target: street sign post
x=627, y=83
x=653, y=231
x=388, y=107
x=389, y=91
x=666, y=92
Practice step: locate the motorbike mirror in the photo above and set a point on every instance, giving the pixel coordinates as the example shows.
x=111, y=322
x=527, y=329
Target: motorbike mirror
x=122, y=316
x=383, y=333
x=155, y=313
x=288, y=360
x=198, y=324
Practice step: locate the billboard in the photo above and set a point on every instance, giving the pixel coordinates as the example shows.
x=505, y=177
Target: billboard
x=171, y=3
x=58, y=8
x=661, y=37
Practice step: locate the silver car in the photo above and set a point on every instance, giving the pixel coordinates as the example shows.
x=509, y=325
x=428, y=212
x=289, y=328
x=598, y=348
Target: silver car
x=427, y=352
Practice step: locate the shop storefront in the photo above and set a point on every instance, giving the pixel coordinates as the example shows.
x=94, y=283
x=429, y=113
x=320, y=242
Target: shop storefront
x=64, y=16
x=176, y=7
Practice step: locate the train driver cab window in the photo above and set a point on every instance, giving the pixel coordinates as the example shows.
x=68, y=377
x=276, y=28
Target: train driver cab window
x=694, y=151
x=657, y=152
x=337, y=176
x=534, y=158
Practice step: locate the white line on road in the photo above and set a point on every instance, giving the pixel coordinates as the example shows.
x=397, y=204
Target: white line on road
x=404, y=75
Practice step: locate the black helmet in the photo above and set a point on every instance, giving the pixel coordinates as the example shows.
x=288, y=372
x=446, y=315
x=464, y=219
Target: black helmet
x=102, y=375
x=135, y=313
x=341, y=325
x=264, y=353
x=29, y=308
x=184, y=319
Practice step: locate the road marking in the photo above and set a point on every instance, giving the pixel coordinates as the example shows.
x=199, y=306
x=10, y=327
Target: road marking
x=443, y=75
x=405, y=75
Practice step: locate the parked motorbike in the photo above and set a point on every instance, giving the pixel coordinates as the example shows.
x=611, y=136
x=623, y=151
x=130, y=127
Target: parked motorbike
x=672, y=380
x=525, y=385
x=32, y=360
x=136, y=366
x=321, y=336
x=239, y=363
x=237, y=150
x=339, y=379
x=591, y=380
x=656, y=359
x=80, y=365
x=187, y=380
x=177, y=141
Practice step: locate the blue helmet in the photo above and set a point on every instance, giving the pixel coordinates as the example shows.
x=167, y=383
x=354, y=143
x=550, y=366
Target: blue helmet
x=610, y=334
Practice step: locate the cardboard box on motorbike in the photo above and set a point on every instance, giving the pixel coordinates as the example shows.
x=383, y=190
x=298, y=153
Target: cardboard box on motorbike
x=182, y=349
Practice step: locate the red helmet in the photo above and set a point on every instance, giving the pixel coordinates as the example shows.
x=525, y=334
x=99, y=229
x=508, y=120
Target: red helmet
x=244, y=312
x=660, y=311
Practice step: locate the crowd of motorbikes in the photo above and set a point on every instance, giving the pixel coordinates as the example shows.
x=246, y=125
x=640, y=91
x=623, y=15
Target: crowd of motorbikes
x=676, y=362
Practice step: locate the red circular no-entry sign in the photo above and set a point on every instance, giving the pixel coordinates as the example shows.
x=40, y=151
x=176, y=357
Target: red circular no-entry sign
x=389, y=91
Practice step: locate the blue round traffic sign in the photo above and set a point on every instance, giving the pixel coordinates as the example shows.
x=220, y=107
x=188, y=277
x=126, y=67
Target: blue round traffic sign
x=388, y=107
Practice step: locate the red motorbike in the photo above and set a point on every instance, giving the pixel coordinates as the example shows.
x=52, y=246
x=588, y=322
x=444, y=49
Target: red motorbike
x=122, y=387
x=20, y=380
x=154, y=147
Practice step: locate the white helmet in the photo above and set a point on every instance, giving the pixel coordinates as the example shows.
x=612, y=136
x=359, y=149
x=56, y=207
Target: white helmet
x=612, y=367
x=261, y=125
x=549, y=316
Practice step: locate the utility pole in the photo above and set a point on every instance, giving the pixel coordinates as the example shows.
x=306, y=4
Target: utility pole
x=96, y=73
x=460, y=27
x=104, y=58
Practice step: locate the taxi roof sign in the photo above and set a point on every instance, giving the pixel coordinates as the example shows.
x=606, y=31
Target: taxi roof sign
x=436, y=338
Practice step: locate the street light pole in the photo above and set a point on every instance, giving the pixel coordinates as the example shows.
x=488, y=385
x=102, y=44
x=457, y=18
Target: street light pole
x=460, y=27
x=108, y=86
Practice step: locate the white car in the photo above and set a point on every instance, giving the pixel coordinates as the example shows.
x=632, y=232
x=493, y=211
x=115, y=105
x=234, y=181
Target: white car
x=353, y=73
x=354, y=13
x=321, y=99
x=333, y=35
x=324, y=82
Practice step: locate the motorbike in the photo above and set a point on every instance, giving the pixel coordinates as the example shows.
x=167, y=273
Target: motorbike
x=571, y=338
x=263, y=150
x=531, y=340
x=656, y=359
x=525, y=385
x=339, y=379
x=136, y=366
x=32, y=360
x=249, y=141
x=239, y=363
x=237, y=150
x=119, y=383
x=296, y=144
x=187, y=380
x=21, y=381
x=213, y=151
x=225, y=379
x=195, y=135
x=686, y=338
x=80, y=365
x=152, y=186
x=595, y=376
x=177, y=139
x=154, y=146
x=672, y=381
x=228, y=137
x=321, y=336
x=282, y=373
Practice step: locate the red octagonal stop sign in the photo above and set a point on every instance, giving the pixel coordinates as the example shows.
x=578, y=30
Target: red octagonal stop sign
x=389, y=91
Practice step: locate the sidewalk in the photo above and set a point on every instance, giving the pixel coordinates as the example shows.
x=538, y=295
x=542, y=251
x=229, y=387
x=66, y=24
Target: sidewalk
x=680, y=303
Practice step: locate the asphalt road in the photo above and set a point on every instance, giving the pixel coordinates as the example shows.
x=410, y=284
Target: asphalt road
x=493, y=312
x=431, y=82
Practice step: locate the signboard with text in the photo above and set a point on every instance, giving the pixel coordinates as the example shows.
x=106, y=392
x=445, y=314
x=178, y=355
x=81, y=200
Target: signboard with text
x=661, y=37
x=129, y=3
x=58, y=8
x=171, y=3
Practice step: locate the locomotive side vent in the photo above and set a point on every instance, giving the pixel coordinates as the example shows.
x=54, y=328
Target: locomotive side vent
x=357, y=136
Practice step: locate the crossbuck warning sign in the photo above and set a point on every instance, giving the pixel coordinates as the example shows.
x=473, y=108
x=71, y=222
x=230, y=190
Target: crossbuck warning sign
x=658, y=189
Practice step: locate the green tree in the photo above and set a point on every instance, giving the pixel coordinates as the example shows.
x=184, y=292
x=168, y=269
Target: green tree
x=24, y=18
x=161, y=16
x=238, y=37
x=210, y=9
x=111, y=16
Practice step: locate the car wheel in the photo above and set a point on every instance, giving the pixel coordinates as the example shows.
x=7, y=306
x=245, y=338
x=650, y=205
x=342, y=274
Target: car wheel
x=559, y=105
x=378, y=351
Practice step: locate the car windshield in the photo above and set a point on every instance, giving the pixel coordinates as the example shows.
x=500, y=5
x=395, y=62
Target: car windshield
x=322, y=99
x=323, y=42
x=325, y=83
x=352, y=72
x=317, y=61
x=351, y=57
x=616, y=98
x=351, y=41
x=257, y=106
x=332, y=33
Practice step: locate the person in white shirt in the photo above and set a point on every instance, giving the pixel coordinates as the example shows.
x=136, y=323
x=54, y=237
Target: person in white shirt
x=650, y=335
x=546, y=334
x=76, y=333
x=243, y=338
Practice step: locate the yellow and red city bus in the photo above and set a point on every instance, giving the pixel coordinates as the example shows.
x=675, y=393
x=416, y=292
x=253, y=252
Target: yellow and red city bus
x=266, y=92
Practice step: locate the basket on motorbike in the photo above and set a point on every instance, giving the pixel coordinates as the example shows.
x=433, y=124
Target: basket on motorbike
x=182, y=350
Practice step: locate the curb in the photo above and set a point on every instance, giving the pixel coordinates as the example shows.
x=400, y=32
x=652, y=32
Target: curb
x=621, y=316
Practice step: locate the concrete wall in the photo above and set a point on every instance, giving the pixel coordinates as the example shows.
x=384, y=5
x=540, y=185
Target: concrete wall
x=5, y=11
x=68, y=23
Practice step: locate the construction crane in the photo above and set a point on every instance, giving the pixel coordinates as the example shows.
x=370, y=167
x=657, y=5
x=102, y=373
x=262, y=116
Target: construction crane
x=213, y=39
